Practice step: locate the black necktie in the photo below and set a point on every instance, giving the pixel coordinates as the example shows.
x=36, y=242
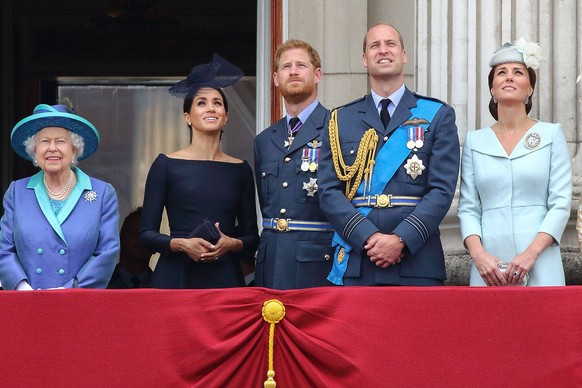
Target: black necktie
x=292, y=124
x=384, y=115
x=135, y=281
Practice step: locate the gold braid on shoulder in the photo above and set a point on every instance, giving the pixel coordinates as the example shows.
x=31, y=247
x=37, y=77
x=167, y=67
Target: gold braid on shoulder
x=363, y=166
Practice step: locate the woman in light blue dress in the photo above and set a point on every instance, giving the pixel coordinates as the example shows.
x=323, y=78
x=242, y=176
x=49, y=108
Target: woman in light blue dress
x=516, y=179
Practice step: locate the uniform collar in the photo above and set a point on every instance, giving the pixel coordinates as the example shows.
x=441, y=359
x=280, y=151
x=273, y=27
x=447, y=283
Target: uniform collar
x=305, y=113
x=394, y=98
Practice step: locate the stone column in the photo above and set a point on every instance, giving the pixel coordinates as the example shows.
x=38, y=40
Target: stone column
x=336, y=29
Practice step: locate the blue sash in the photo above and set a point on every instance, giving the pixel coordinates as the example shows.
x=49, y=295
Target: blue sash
x=389, y=158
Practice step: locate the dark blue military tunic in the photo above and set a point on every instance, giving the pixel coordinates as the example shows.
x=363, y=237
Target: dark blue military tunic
x=295, y=248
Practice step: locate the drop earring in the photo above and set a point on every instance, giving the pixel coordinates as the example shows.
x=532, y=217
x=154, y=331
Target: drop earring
x=494, y=99
x=526, y=101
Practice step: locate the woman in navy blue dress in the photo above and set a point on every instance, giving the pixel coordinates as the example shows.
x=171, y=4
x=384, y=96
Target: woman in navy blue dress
x=201, y=182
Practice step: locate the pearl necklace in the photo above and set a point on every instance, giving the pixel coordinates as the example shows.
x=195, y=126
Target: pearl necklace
x=64, y=193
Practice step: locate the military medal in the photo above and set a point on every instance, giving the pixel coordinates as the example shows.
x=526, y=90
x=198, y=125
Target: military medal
x=419, y=137
x=311, y=187
x=415, y=137
x=532, y=140
x=310, y=157
x=414, y=167
x=305, y=160
x=410, y=143
x=313, y=159
x=291, y=132
x=416, y=127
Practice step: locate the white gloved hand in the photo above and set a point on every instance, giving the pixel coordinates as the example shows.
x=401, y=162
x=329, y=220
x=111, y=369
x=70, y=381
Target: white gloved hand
x=23, y=286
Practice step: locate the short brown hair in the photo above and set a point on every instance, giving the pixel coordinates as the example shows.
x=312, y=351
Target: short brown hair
x=297, y=44
x=382, y=24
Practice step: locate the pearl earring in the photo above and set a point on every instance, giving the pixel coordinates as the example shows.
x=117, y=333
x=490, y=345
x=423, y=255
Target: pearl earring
x=526, y=101
x=494, y=99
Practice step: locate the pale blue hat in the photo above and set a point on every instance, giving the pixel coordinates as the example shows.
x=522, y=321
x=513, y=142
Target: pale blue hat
x=520, y=51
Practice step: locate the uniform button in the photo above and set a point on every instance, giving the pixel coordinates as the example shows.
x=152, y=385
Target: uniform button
x=287, y=159
x=326, y=257
x=351, y=151
x=385, y=138
x=283, y=211
x=62, y=251
x=39, y=251
x=263, y=174
x=285, y=184
x=61, y=271
x=39, y=270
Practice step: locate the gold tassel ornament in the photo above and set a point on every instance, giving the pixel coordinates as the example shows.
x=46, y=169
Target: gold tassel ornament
x=273, y=311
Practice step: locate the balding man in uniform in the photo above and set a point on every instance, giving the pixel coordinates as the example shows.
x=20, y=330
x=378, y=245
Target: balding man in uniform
x=388, y=171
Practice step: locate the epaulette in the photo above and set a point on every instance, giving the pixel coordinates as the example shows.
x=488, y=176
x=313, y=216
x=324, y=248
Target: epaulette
x=429, y=98
x=351, y=102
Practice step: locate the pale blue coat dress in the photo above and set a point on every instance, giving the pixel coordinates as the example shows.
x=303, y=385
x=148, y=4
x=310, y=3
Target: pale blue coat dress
x=507, y=200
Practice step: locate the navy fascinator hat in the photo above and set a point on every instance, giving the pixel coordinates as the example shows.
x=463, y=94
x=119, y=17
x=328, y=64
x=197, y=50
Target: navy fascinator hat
x=219, y=73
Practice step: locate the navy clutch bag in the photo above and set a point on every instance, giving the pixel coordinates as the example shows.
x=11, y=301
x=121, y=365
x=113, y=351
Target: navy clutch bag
x=207, y=231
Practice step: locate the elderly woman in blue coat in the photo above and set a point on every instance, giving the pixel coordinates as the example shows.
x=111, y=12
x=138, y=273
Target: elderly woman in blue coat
x=516, y=179
x=60, y=226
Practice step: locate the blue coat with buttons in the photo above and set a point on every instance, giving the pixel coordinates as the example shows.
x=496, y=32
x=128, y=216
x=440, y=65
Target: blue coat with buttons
x=423, y=263
x=77, y=248
x=294, y=259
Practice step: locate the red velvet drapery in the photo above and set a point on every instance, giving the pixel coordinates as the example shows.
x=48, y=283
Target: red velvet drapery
x=329, y=337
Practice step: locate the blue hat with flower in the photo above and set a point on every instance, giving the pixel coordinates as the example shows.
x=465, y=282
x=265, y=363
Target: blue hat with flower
x=520, y=51
x=63, y=116
x=219, y=73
